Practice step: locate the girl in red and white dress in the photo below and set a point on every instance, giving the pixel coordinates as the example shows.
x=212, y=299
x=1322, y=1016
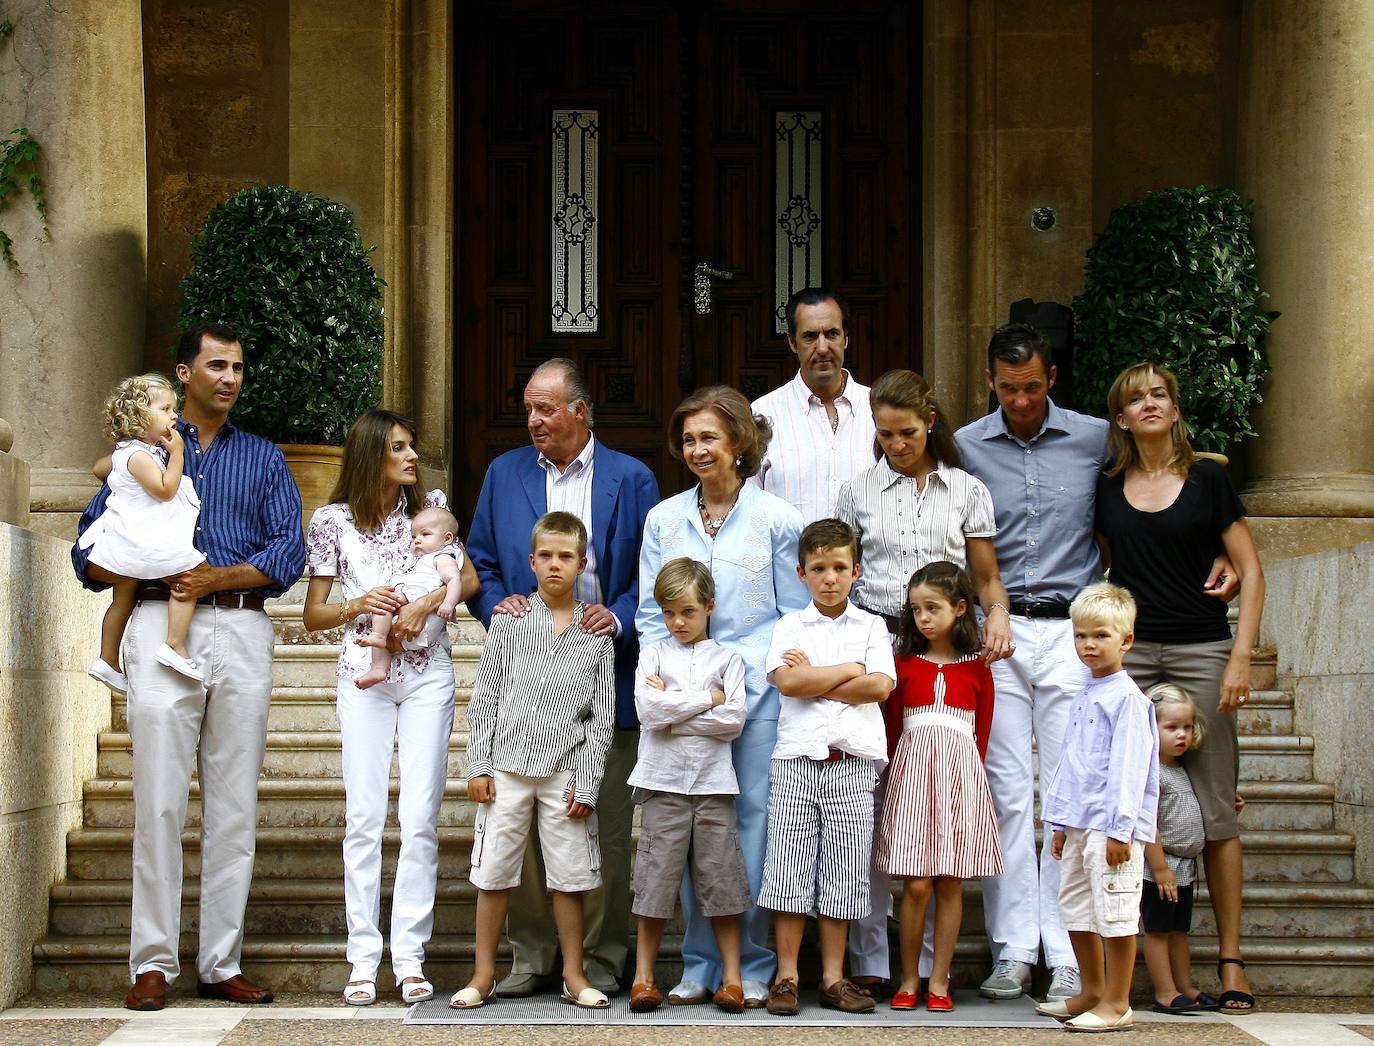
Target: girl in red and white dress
x=939, y=826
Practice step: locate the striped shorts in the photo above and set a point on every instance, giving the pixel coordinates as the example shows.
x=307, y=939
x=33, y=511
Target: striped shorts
x=820, y=837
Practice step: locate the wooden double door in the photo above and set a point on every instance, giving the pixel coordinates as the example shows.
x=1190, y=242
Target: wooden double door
x=686, y=97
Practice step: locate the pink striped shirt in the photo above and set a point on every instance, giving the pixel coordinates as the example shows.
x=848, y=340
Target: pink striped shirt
x=807, y=463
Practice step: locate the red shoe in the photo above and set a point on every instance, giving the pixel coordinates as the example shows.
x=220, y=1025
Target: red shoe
x=904, y=1001
x=939, y=1003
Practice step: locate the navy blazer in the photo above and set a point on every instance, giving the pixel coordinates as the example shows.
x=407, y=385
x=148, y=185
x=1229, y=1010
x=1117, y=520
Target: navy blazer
x=514, y=497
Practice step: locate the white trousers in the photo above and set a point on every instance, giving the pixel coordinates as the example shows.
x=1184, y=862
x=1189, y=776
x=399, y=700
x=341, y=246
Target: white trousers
x=220, y=727
x=414, y=718
x=869, y=951
x=1035, y=687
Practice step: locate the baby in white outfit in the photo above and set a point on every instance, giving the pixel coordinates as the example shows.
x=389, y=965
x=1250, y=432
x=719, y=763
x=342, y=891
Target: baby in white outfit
x=434, y=540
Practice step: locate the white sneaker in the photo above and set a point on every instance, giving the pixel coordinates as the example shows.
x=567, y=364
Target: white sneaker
x=1009, y=980
x=101, y=671
x=169, y=657
x=1064, y=983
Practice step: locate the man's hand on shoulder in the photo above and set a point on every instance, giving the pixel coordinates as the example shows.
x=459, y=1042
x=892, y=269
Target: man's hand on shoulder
x=597, y=620
x=514, y=604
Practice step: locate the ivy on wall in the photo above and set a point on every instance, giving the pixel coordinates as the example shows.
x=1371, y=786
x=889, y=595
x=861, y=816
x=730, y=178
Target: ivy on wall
x=19, y=153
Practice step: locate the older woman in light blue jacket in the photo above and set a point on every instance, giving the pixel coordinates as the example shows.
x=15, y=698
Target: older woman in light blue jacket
x=748, y=539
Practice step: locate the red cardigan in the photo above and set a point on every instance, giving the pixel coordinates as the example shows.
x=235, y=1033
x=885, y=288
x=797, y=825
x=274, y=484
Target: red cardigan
x=968, y=684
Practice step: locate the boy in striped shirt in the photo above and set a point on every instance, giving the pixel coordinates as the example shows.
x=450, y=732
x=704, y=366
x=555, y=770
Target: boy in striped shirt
x=540, y=723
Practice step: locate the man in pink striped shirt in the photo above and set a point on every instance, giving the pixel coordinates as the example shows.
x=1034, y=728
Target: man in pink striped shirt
x=822, y=424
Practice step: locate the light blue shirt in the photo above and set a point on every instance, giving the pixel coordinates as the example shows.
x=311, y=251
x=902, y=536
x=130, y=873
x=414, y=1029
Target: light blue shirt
x=753, y=561
x=1043, y=494
x=1108, y=774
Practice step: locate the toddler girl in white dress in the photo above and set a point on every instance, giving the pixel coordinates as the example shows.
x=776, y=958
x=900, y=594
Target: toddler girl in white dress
x=149, y=521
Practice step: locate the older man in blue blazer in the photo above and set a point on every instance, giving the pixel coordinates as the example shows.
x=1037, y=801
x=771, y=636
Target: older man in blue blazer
x=567, y=468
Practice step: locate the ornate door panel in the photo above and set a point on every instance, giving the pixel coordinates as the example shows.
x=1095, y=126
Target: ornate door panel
x=519, y=63
x=840, y=74
x=686, y=100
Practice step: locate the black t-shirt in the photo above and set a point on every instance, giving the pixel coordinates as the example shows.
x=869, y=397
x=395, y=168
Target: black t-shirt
x=1164, y=557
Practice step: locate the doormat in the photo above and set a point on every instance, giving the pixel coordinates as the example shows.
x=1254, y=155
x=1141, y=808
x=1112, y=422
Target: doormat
x=970, y=1011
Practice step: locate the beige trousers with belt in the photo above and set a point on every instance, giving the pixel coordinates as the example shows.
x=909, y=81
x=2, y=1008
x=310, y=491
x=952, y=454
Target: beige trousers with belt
x=218, y=728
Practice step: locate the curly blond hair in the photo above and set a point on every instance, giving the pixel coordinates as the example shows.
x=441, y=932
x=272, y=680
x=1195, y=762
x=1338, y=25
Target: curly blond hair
x=128, y=410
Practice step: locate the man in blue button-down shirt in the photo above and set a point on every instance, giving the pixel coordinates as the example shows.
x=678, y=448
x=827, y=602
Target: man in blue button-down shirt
x=250, y=531
x=1041, y=464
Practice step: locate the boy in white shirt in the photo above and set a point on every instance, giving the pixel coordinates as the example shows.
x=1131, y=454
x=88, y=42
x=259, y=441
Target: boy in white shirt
x=1101, y=805
x=833, y=665
x=689, y=694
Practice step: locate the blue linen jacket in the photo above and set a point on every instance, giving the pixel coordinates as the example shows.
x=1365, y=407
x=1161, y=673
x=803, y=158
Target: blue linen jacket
x=514, y=497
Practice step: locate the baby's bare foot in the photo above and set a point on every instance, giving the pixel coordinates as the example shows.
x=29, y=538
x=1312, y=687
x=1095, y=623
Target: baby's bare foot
x=370, y=678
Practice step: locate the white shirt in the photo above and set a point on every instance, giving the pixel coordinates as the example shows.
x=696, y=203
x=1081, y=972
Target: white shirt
x=571, y=491
x=812, y=726
x=901, y=527
x=684, y=742
x=807, y=462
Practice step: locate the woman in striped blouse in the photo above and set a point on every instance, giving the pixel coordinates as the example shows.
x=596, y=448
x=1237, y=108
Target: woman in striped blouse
x=916, y=506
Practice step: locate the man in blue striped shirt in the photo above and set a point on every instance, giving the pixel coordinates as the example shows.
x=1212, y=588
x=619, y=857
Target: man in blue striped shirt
x=250, y=531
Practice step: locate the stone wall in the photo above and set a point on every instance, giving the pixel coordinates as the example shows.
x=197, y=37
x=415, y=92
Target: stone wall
x=1320, y=617
x=50, y=716
x=71, y=318
x=1165, y=82
x=217, y=93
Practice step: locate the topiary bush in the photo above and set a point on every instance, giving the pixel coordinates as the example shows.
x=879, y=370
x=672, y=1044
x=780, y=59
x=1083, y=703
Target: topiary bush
x=289, y=272
x=1172, y=279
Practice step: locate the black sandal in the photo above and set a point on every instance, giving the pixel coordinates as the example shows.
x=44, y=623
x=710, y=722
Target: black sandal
x=1245, y=1001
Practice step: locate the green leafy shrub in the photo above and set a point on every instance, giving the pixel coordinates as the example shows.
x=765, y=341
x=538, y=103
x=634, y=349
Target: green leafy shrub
x=1172, y=279
x=289, y=272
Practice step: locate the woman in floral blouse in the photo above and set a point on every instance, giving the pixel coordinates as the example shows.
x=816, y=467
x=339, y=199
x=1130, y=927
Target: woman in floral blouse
x=362, y=539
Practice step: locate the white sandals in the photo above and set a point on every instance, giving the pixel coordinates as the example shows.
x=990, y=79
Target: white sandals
x=470, y=998
x=360, y=993
x=415, y=989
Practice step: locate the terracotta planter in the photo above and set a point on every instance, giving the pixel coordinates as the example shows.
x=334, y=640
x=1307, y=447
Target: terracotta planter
x=315, y=468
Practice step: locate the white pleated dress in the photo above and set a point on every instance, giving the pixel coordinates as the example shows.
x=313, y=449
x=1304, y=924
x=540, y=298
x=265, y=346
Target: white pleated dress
x=137, y=535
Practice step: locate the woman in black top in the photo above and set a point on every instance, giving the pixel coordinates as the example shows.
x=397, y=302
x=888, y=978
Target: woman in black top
x=1163, y=516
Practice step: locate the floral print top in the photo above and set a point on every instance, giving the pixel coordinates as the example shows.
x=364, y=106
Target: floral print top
x=361, y=560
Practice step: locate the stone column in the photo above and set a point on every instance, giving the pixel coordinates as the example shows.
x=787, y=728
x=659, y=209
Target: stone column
x=1307, y=158
x=14, y=481
x=73, y=318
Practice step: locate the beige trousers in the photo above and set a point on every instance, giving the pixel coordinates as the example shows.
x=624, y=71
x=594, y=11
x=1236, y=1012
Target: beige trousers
x=218, y=728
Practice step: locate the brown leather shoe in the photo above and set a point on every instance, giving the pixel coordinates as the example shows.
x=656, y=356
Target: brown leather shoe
x=845, y=996
x=149, y=991
x=237, y=988
x=783, y=1000
x=645, y=998
x=730, y=998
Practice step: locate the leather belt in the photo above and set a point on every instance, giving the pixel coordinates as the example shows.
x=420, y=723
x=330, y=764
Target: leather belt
x=837, y=754
x=227, y=600
x=1039, y=608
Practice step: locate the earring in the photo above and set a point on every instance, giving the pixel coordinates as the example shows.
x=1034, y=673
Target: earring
x=739, y=461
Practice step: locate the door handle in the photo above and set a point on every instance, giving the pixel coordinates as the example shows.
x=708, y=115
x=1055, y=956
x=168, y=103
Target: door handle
x=701, y=286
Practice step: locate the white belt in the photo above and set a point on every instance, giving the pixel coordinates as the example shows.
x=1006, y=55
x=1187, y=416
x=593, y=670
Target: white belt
x=911, y=720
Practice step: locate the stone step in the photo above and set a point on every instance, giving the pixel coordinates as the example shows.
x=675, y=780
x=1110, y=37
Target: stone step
x=316, y=853
x=317, y=753
x=318, y=802
x=289, y=755
x=464, y=629
x=314, y=665
x=1322, y=966
x=294, y=708
x=1266, y=712
x=313, y=906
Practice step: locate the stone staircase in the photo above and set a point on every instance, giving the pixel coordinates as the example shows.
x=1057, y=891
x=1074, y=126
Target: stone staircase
x=1309, y=929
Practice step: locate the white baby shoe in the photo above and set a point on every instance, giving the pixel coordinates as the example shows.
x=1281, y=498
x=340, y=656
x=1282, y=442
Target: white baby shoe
x=169, y=657
x=111, y=677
